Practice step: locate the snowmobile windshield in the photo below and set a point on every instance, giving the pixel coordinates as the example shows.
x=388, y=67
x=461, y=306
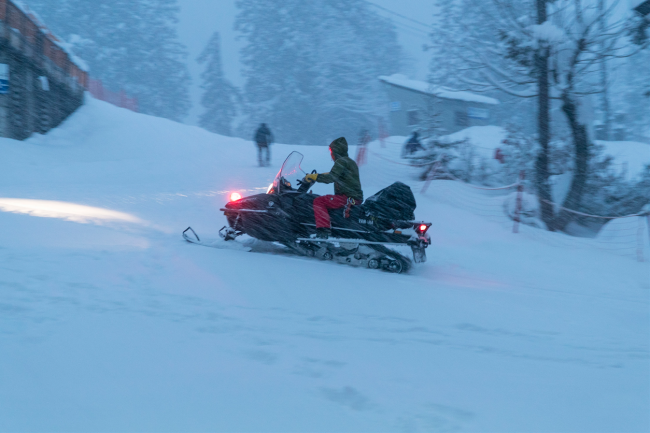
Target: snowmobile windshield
x=289, y=174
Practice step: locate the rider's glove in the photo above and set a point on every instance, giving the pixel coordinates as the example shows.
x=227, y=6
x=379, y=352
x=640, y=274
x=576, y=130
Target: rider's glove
x=311, y=177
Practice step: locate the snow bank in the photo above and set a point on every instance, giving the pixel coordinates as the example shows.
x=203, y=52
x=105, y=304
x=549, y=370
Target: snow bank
x=485, y=139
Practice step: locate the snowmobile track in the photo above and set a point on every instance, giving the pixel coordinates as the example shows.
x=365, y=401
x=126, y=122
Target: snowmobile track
x=328, y=251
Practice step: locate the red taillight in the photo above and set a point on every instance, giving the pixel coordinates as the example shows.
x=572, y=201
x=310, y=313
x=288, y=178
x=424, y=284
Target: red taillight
x=235, y=196
x=423, y=228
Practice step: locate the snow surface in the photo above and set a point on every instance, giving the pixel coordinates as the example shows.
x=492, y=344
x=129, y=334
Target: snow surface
x=629, y=156
x=439, y=91
x=109, y=321
x=485, y=139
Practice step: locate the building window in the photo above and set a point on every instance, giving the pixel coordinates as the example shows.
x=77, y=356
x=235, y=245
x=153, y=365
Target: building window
x=413, y=117
x=478, y=113
x=462, y=119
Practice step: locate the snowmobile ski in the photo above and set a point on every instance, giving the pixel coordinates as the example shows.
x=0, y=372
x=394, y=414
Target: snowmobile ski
x=190, y=236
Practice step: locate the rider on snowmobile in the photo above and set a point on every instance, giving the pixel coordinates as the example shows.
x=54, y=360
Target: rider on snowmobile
x=347, y=186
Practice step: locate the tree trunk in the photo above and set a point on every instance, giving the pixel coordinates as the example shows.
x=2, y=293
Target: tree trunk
x=543, y=127
x=581, y=147
x=605, y=107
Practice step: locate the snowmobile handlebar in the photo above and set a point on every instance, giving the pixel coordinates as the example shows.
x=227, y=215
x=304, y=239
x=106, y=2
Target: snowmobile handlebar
x=305, y=183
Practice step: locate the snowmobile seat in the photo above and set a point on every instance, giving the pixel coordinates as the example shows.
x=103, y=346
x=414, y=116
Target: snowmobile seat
x=337, y=217
x=395, y=202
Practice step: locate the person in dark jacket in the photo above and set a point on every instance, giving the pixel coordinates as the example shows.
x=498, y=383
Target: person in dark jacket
x=347, y=186
x=263, y=138
x=412, y=145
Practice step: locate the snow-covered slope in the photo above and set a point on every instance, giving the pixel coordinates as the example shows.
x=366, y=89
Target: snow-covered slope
x=486, y=139
x=109, y=321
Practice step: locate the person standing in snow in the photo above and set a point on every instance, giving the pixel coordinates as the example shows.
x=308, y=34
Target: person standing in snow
x=347, y=186
x=412, y=145
x=263, y=138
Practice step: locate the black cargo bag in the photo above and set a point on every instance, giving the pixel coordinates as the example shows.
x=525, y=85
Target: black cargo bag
x=395, y=202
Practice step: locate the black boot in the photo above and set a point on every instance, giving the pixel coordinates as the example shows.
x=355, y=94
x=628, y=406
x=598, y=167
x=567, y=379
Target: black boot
x=323, y=233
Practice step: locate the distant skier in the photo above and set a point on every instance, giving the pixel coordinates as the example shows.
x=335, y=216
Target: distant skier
x=412, y=145
x=347, y=186
x=264, y=139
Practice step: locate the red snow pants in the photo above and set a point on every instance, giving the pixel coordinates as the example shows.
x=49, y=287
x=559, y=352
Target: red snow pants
x=325, y=202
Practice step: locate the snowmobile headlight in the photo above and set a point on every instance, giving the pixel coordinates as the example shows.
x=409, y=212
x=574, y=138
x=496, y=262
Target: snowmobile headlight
x=269, y=189
x=235, y=196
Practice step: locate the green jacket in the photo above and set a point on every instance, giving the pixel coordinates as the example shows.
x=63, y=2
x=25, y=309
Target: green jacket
x=344, y=174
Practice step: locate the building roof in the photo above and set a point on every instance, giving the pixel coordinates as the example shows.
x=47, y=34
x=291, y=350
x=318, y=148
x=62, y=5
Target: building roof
x=38, y=22
x=400, y=80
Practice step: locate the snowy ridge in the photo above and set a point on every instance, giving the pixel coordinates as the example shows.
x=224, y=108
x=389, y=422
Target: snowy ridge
x=119, y=324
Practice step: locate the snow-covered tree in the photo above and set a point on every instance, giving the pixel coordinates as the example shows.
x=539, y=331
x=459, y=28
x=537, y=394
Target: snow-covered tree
x=312, y=67
x=447, y=47
x=219, y=96
x=544, y=50
x=128, y=44
x=635, y=91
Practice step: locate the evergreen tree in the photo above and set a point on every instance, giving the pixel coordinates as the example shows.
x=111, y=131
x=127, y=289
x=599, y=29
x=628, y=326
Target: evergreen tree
x=446, y=55
x=128, y=44
x=219, y=95
x=312, y=67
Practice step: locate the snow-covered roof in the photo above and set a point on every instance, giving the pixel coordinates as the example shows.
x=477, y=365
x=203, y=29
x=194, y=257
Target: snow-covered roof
x=66, y=47
x=439, y=91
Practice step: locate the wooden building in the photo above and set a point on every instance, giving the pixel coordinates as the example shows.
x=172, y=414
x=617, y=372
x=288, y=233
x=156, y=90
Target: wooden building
x=413, y=103
x=41, y=83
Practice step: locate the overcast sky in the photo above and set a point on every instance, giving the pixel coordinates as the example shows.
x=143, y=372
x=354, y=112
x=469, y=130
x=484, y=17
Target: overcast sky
x=200, y=18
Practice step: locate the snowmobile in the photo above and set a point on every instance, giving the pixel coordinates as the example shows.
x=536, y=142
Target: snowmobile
x=360, y=233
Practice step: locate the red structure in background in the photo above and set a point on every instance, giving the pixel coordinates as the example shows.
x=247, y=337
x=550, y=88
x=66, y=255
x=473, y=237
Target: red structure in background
x=97, y=89
x=37, y=35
